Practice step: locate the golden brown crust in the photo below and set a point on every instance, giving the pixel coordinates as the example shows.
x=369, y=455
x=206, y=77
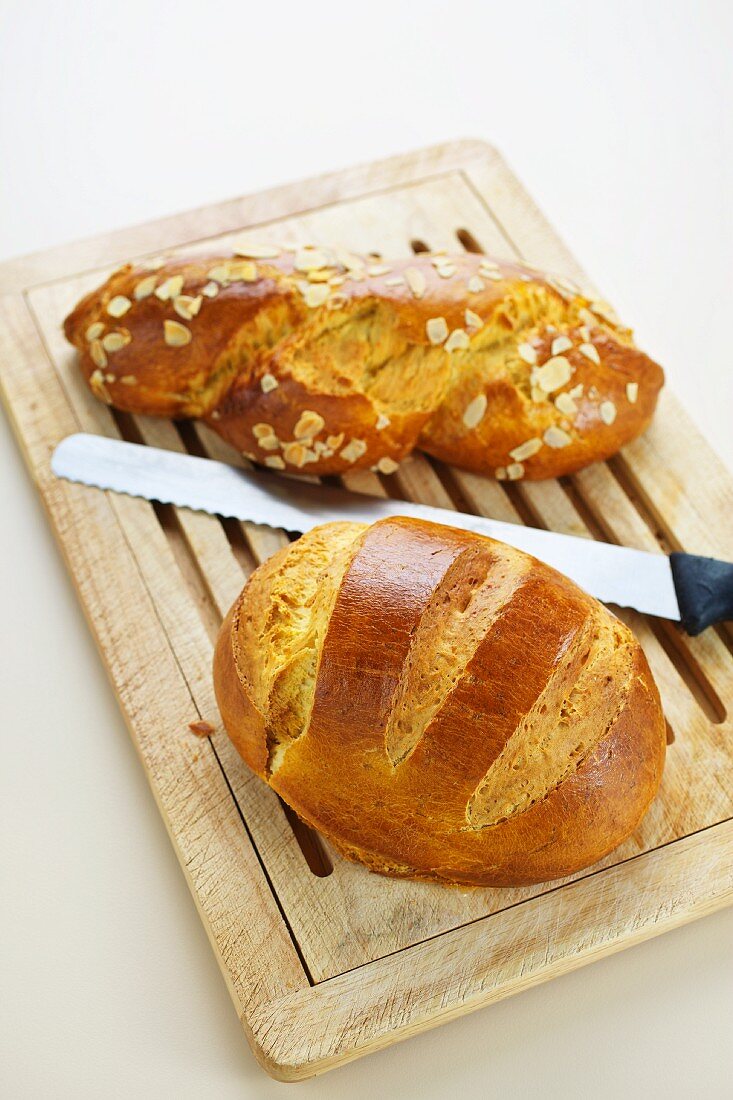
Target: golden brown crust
x=316, y=362
x=518, y=737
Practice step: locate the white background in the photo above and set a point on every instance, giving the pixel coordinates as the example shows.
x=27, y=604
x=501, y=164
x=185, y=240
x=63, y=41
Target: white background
x=617, y=116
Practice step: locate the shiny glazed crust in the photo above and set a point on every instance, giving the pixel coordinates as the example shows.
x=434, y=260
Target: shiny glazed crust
x=322, y=362
x=439, y=705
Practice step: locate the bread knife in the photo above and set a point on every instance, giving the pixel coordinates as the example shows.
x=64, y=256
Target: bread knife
x=695, y=590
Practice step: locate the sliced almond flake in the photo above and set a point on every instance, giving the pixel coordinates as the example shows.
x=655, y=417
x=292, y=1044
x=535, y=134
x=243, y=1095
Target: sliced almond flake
x=378, y=269
x=556, y=437
x=268, y=382
x=576, y=392
x=210, y=290
x=261, y=430
x=590, y=351
x=537, y=394
x=565, y=404
x=297, y=454
x=353, y=450
x=114, y=341
x=437, y=330
x=94, y=331
x=128, y=380
x=607, y=411
x=632, y=392
x=496, y=276
x=475, y=284
x=605, y=311
x=310, y=259
x=527, y=353
x=383, y=421
x=322, y=275
x=257, y=251
x=593, y=393
x=274, y=462
x=242, y=271
x=387, y=465
x=309, y=425
x=317, y=294
x=458, y=340
x=554, y=373
x=488, y=265
x=526, y=450
x=268, y=442
x=515, y=471
x=500, y=473
x=561, y=344
x=118, y=306
x=97, y=353
x=319, y=446
x=474, y=412
x=171, y=288
x=337, y=280
x=154, y=264
x=219, y=274
x=588, y=318
x=109, y=377
x=473, y=321
x=396, y=280
x=145, y=287
x=446, y=271
x=416, y=281
x=187, y=306
x=176, y=335
x=349, y=260
x=333, y=442
x=96, y=382
x=584, y=333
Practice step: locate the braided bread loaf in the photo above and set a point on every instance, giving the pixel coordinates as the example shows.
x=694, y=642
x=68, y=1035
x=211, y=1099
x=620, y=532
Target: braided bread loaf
x=439, y=705
x=322, y=362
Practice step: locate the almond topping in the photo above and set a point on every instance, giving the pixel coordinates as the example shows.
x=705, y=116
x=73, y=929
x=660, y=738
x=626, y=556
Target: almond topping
x=607, y=410
x=473, y=321
x=556, y=437
x=515, y=471
x=565, y=404
x=96, y=350
x=113, y=341
x=274, y=462
x=378, y=269
x=526, y=450
x=474, y=411
x=396, y=280
x=257, y=251
x=268, y=382
x=475, y=284
x=416, y=282
x=210, y=290
x=244, y=271
x=457, y=341
x=186, y=306
x=446, y=271
x=176, y=335
x=576, y=392
x=353, y=450
x=333, y=442
x=260, y=431
x=527, y=353
x=632, y=391
x=171, y=288
x=590, y=351
x=94, y=331
x=219, y=274
x=387, y=465
x=309, y=425
x=96, y=382
x=561, y=344
x=437, y=330
x=144, y=288
x=310, y=259
x=382, y=422
x=495, y=276
x=118, y=306
x=297, y=454
x=316, y=294
x=268, y=442
x=554, y=374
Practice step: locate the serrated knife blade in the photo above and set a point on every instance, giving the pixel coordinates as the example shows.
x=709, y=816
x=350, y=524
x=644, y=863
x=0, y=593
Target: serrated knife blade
x=614, y=574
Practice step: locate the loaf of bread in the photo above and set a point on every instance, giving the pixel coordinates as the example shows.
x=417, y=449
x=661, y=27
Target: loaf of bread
x=322, y=362
x=439, y=705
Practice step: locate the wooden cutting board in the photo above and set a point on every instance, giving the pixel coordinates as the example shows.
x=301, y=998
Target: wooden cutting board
x=323, y=960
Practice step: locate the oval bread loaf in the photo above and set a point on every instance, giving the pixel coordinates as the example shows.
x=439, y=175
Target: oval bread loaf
x=439, y=705
x=322, y=362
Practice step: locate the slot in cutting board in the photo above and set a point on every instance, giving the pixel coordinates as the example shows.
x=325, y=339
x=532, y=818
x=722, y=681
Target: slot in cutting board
x=325, y=961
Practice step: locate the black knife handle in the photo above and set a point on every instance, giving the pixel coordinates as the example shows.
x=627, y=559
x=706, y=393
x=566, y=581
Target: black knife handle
x=704, y=589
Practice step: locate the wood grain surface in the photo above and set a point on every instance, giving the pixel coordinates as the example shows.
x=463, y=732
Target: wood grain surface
x=325, y=961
